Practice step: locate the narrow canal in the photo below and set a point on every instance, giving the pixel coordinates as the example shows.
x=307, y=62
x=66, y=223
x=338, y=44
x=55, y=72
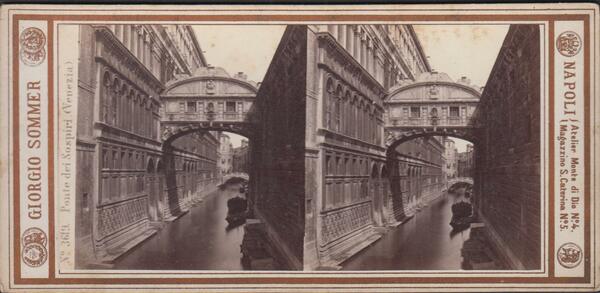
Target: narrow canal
x=199, y=240
x=426, y=242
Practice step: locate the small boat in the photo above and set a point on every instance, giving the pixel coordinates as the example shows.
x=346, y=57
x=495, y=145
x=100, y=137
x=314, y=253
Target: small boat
x=461, y=215
x=236, y=210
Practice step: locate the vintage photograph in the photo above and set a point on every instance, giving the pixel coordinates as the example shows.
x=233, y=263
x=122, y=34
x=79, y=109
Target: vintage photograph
x=317, y=147
x=299, y=148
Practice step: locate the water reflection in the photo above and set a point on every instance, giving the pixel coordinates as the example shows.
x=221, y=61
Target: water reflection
x=426, y=242
x=199, y=240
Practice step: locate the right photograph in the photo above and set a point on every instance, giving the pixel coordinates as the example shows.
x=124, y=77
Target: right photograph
x=422, y=146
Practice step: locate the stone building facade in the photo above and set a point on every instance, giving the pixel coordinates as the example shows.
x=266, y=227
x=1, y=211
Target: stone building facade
x=225, y=154
x=507, y=156
x=120, y=181
x=277, y=181
x=207, y=102
x=241, y=158
x=417, y=175
x=466, y=162
x=450, y=155
x=433, y=98
x=349, y=71
x=431, y=105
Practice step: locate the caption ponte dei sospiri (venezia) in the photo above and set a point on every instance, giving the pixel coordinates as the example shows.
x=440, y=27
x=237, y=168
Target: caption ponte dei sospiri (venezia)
x=357, y=148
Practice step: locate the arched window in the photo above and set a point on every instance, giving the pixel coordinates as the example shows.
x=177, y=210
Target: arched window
x=372, y=126
x=338, y=109
x=138, y=113
x=347, y=167
x=367, y=122
x=347, y=113
x=105, y=97
x=114, y=101
x=123, y=106
x=355, y=117
x=328, y=104
x=360, y=115
x=130, y=103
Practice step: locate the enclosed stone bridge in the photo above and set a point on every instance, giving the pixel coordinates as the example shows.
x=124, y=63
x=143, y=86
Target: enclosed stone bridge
x=432, y=105
x=199, y=107
x=209, y=100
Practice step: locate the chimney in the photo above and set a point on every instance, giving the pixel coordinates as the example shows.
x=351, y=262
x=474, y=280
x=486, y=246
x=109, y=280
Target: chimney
x=241, y=75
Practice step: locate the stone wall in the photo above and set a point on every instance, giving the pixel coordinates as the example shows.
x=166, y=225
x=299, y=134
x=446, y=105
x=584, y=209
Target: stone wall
x=120, y=166
x=278, y=147
x=86, y=146
x=508, y=148
x=417, y=175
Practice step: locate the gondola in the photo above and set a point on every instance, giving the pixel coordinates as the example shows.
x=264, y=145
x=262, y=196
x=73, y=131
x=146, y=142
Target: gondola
x=461, y=215
x=236, y=210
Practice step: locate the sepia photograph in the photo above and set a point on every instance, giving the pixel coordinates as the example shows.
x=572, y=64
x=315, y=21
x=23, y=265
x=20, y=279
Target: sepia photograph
x=321, y=147
x=299, y=148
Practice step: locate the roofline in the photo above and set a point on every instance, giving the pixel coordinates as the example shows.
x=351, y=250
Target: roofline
x=197, y=78
x=423, y=83
x=419, y=47
x=196, y=44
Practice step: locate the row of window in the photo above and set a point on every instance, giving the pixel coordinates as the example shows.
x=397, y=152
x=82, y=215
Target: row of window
x=202, y=107
x=121, y=158
x=116, y=186
x=410, y=170
x=363, y=48
x=195, y=164
x=186, y=178
x=339, y=194
x=199, y=145
x=124, y=107
x=139, y=41
x=407, y=47
x=337, y=164
x=418, y=112
x=120, y=186
x=427, y=149
x=183, y=40
x=350, y=115
x=358, y=44
x=416, y=185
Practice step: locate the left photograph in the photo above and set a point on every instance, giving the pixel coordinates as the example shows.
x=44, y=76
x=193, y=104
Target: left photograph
x=166, y=156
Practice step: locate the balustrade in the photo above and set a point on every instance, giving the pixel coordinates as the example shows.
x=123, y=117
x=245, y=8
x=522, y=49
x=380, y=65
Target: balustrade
x=429, y=121
x=207, y=116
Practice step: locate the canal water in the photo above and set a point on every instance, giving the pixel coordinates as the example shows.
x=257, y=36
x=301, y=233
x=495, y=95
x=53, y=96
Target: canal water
x=199, y=240
x=426, y=242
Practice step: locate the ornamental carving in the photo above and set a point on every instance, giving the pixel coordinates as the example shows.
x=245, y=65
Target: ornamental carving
x=210, y=87
x=337, y=62
x=116, y=56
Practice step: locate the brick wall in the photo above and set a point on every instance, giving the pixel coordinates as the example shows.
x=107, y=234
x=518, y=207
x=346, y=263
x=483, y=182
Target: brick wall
x=280, y=137
x=508, y=149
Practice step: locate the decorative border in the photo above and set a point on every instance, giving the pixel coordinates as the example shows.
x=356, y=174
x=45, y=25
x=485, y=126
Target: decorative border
x=370, y=281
